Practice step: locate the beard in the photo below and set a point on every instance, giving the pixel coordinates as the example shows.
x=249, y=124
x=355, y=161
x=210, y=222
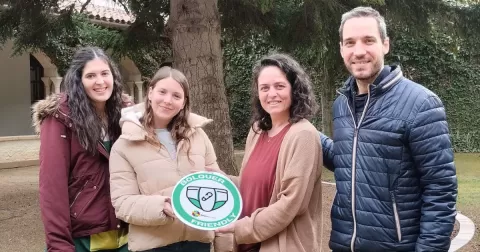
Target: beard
x=367, y=74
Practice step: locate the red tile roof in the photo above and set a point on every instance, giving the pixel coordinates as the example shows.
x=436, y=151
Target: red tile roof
x=105, y=10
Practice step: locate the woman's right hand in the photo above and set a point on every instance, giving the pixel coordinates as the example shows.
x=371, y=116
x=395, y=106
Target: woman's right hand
x=167, y=209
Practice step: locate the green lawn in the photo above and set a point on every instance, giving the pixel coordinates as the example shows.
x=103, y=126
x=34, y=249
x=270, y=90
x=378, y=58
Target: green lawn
x=468, y=203
x=327, y=176
x=468, y=173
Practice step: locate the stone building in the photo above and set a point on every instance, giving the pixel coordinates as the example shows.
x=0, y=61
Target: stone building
x=30, y=77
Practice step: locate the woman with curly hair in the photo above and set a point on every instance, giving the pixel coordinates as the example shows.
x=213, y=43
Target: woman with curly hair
x=76, y=130
x=161, y=142
x=280, y=176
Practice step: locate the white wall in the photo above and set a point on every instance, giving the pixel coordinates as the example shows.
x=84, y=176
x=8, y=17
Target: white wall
x=14, y=93
x=18, y=151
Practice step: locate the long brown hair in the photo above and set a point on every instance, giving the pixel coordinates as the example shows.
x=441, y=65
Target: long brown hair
x=88, y=124
x=178, y=126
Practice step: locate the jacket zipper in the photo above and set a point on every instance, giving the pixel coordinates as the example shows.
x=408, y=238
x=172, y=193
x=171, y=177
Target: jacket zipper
x=354, y=154
x=397, y=219
x=175, y=160
x=78, y=194
x=103, y=146
x=179, y=146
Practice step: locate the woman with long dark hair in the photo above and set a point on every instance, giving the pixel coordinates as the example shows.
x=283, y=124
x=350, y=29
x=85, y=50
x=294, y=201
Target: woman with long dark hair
x=161, y=142
x=77, y=129
x=280, y=176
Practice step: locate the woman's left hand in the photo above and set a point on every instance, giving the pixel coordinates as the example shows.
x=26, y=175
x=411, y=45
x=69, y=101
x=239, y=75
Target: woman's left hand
x=228, y=229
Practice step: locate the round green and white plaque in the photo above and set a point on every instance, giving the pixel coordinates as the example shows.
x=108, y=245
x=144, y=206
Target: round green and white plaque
x=206, y=200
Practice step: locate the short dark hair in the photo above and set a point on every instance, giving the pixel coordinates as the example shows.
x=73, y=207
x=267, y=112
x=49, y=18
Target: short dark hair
x=362, y=12
x=304, y=105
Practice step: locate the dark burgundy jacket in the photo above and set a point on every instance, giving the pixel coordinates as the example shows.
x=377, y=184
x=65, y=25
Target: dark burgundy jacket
x=74, y=185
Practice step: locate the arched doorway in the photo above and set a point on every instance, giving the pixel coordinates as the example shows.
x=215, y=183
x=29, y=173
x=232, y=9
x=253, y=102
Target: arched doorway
x=37, y=89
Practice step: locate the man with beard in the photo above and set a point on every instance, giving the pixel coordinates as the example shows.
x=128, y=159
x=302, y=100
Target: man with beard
x=391, y=151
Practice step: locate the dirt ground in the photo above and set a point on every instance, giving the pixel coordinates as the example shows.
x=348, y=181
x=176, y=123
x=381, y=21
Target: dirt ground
x=328, y=193
x=21, y=228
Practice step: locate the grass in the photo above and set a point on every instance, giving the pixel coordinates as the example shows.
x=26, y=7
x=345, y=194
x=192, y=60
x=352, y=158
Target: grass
x=327, y=176
x=468, y=201
x=468, y=174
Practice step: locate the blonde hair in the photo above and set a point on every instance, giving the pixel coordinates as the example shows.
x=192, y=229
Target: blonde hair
x=178, y=126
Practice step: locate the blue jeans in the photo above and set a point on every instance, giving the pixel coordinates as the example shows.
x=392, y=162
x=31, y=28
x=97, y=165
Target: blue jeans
x=184, y=246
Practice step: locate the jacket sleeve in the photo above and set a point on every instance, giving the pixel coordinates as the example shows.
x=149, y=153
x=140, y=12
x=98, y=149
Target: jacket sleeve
x=327, y=148
x=130, y=206
x=429, y=143
x=210, y=157
x=224, y=242
x=303, y=157
x=53, y=186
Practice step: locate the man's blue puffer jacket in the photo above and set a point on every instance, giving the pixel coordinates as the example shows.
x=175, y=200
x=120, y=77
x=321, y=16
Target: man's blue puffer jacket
x=394, y=170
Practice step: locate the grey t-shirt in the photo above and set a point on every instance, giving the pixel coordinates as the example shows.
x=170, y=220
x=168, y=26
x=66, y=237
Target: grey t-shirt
x=166, y=140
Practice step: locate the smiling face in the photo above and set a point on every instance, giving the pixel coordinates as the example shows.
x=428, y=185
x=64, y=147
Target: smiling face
x=274, y=92
x=362, y=48
x=97, y=81
x=167, y=98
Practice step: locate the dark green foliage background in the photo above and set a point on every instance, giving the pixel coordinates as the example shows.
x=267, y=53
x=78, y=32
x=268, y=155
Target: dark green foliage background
x=454, y=78
x=435, y=41
x=452, y=74
x=239, y=58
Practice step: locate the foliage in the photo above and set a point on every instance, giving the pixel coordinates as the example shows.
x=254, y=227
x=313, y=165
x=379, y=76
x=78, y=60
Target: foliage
x=452, y=77
x=431, y=54
x=146, y=41
x=42, y=25
x=436, y=51
x=239, y=57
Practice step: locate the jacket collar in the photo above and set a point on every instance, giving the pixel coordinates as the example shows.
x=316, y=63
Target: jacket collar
x=384, y=84
x=54, y=105
x=133, y=130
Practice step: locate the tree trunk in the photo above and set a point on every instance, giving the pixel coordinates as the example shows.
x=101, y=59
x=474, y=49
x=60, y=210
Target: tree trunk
x=327, y=98
x=328, y=91
x=195, y=32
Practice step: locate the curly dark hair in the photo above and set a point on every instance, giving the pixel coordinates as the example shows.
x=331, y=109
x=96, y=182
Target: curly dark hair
x=304, y=105
x=88, y=124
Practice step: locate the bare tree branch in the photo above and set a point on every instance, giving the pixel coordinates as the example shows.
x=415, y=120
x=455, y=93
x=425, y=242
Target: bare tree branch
x=70, y=8
x=125, y=7
x=84, y=5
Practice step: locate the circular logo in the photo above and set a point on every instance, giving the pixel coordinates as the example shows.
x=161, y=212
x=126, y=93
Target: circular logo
x=206, y=200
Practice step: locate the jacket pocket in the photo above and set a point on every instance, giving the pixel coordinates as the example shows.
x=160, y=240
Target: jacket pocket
x=397, y=218
x=81, y=200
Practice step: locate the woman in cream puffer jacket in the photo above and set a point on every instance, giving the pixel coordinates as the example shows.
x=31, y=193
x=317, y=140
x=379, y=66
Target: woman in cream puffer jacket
x=161, y=142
